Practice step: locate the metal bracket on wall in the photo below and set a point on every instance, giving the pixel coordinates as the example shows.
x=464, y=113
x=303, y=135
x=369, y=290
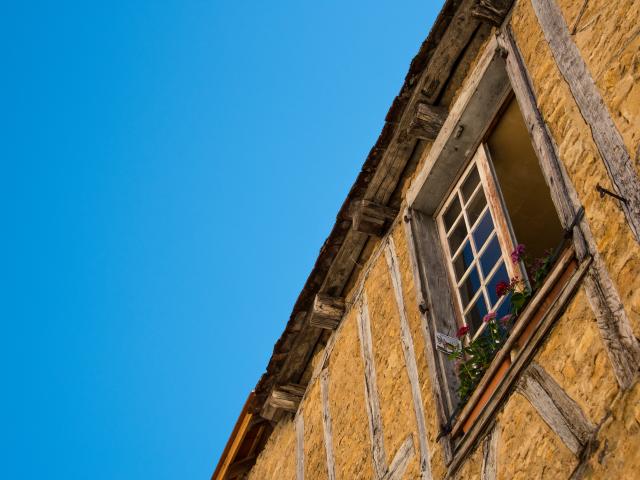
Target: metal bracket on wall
x=603, y=191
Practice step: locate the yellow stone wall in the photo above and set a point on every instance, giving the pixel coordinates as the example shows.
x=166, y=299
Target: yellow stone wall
x=527, y=447
x=438, y=467
x=351, y=443
x=575, y=357
x=608, y=37
x=278, y=459
x=396, y=404
x=577, y=150
x=315, y=459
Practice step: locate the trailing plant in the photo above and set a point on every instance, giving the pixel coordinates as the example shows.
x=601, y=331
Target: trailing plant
x=473, y=356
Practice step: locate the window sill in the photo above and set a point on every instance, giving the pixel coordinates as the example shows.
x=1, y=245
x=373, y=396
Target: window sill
x=535, y=321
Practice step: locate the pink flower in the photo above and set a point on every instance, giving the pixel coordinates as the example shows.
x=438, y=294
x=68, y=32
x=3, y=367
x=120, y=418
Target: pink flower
x=517, y=254
x=506, y=319
x=462, y=331
x=502, y=288
x=489, y=317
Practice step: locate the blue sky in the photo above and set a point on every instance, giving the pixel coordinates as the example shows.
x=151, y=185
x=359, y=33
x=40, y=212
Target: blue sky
x=169, y=173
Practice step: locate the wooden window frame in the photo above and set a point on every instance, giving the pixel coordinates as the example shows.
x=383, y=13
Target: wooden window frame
x=501, y=230
x=486, y=89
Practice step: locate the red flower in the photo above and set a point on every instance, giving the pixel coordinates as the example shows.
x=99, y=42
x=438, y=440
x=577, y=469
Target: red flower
x=502, y=288
x=462, y=331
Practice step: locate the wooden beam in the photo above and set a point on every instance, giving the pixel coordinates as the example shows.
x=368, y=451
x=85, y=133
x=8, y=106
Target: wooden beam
x=451, y=46
x=327, y=311
x=469, y=118
x=299, y=424
x=491, y=11
x=573, y=69
x=440, y=373
x=427, y=121
x=490, y=455
x=622, y=347
x=286, y=397
x=371, y=391
x=239, y=468
x=400, y=461
x=371, y=218
x=409, y=359
x=326, y=424
x=557, y=409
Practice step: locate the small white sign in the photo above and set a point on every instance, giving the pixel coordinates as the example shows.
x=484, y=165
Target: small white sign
x=446, y=344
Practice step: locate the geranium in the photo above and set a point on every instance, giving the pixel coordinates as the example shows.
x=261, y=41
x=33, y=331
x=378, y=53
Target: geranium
x=462, y=331
x=502, y=288
x=517, y=253
x=489, y=317
x=506, y=319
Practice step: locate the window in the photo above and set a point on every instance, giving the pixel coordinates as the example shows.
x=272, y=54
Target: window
x=499, y=201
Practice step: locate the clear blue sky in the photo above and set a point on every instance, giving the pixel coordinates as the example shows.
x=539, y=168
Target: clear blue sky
x=169, y=173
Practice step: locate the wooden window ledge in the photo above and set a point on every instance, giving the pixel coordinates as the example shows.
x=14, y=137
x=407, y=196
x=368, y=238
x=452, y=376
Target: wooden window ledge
x=530, y=329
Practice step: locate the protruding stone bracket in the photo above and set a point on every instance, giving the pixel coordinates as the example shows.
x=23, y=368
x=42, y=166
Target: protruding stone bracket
x=427, y=121
x=491, y=11
x=327, y=311
x=371, y=218
x=286, y=397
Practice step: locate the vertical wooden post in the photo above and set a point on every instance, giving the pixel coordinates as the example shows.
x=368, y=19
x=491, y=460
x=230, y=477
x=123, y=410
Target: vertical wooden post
x=326, y=424
x=299, y=423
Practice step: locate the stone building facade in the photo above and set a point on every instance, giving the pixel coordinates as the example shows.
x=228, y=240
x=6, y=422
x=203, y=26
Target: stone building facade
x=518, y=123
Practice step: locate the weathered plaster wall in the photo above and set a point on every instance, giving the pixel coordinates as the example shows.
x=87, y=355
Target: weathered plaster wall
x=578, y=152
x=278, y=459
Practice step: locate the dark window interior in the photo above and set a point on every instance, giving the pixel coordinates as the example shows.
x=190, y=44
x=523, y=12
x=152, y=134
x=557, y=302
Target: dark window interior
x=525, y=192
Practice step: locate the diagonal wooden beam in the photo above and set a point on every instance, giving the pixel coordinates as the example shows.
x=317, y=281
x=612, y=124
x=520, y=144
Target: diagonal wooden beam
x=400, y=461
x=371, y=391
x=557, y=409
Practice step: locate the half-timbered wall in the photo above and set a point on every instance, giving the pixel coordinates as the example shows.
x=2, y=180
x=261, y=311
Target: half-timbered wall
x=373, y=406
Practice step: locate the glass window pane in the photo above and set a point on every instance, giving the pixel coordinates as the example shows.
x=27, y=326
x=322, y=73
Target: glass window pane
x=475, y=315
x=474, y=209
x=457, y=236
x=470, y=184
x=452, y=213
x=490, y=256
x=470, y=286
x=501, y=275
x=483, y=230
x=504, y=308
x=463, y=261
